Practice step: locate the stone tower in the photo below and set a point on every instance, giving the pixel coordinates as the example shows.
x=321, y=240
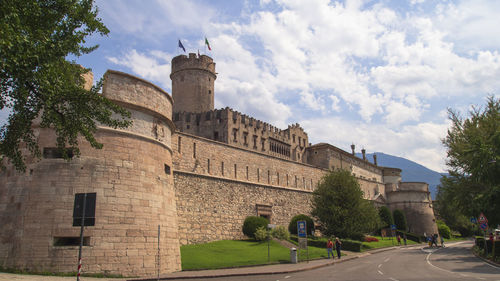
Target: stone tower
x=193, y=83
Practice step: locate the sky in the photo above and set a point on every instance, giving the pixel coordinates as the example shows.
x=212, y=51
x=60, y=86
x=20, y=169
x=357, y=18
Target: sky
x=377, y=74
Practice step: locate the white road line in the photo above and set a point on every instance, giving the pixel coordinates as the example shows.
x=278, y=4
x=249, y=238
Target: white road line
x=394, y=279
x=288, y=276
x=464, y=275
x=380, y=265
x=480, y=278
x=380, y=272
x=387, y=259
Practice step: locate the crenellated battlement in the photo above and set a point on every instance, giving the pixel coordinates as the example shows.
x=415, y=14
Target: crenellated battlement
x=184, y=62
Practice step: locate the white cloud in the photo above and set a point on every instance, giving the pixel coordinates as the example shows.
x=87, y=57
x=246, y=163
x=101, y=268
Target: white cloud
x=149, y=67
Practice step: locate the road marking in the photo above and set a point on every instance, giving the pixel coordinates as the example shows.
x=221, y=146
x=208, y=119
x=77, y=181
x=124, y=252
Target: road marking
x=380, y=265
x=394, y=279
x=288, y=276
x=387, y=259
x=380, y=272
x=464, y=275
x=480, y=278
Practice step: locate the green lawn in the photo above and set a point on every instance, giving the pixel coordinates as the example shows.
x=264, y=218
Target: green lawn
x=228, y=253
x=386, y=242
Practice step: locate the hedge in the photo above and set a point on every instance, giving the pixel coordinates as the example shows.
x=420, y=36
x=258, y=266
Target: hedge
x=348, y=245
x=251, y=224
x=496, y=250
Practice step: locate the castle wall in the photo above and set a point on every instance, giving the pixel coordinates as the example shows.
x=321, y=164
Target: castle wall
x=414, y=200
x=214, y=208
x=206, y=157
x=134, y=195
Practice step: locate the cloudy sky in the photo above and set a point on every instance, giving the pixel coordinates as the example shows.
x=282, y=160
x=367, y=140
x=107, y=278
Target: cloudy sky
x=379, y=74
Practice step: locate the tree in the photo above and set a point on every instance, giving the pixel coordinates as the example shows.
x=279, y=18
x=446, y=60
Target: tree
x=399, y=219
x=292, y=226
x=38, y=82
x=473, y=150
x=385, y=217
x=339, y=206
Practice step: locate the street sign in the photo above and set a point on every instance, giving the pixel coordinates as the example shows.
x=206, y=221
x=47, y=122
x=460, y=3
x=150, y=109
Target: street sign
x=301, y=229
x=393, y=226
x=484, y=226
x=473, y=220
x=482, y=219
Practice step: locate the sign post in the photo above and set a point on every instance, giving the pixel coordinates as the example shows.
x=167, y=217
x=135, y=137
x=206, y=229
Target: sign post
x=393, y=227
x=302, y=234
x=483, y=224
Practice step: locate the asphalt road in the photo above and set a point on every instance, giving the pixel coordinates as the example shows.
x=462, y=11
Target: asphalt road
x=455, y=262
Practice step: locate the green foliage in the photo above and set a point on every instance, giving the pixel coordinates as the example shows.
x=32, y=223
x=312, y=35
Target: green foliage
x=385, y=217
x=473, y=150
x=347, y=245
x=251, y=224
x=280, y=232
x=36, y=80
x=399, y=219
x=443, y=229
x=411, y=236
x=261, y=234
x=450, y=210
x=339, y=205
x=292, y=227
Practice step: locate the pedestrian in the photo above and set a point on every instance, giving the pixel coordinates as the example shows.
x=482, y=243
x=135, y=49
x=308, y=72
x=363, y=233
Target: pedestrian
x=442, y=241
x=429, y=240
x=399, y=240
x=404, y=238
x=338, y=245
x=329, y=248
x=434, y=239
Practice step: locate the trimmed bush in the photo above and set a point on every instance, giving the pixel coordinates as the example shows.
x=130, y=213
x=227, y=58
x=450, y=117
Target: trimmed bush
x=496, y=250
x=399, y=219
x=385, y=216
x=292, y=227
x=348, y=245
x=251, y=224
x=444, y=230
x=411, y=236
x=281, y=233
x=261, y=234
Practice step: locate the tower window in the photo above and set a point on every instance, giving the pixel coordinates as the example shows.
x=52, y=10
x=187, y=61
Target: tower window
x=209, y=92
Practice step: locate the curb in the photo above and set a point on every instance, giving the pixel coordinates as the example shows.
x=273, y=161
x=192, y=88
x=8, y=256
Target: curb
x=347, y=258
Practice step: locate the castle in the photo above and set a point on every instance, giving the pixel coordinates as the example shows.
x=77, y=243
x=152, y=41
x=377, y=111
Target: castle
x=183, y=173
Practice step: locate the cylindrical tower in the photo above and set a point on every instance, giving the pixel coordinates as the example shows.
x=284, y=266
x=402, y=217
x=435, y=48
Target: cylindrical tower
x=193, y=83
x=130, y=179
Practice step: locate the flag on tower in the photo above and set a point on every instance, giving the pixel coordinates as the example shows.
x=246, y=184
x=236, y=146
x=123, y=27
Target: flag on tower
x=182, y=46
x=208, y=44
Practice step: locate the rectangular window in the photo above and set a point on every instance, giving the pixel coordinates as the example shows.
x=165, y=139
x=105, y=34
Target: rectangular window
x=208, y=166
x=194, y=150
x=89, y=218
x=179, y=145
x=167, y=169
x=235, y=171
x=278, y=177
x=222, y=168
x=247, y=172
x=286, y=179
x=70, y=241
x=258, y=175
x=268, y=176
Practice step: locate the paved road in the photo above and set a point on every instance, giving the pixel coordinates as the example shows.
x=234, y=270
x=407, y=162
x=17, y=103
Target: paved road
x=454, y=262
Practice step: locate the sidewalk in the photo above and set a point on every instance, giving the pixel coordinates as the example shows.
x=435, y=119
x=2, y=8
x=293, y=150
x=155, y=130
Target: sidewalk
x=240, y=271
x=264, y=269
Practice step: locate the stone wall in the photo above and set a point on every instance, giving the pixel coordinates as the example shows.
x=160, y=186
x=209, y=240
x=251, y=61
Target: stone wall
x=206, y=157
x=213, y=208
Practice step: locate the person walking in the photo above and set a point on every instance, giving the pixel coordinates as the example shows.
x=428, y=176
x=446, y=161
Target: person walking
x=329, y=248
x=399, y=240
x=434, y=239
x=404, y=238
x=442, y=241
x=338, y=245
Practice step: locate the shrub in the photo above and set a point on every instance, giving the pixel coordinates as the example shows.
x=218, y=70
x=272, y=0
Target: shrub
x=411, y=236
x=385, y=216
x=292, y=227
x=348, y=245
x=444, y=230
x=261, y=234
x=371, y=239
x=251, y=224
x=281, y=233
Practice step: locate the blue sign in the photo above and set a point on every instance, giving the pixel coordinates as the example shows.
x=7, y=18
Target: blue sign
x=484, y=226
x=473, y=220
x=301, y=229
x=393, y=226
